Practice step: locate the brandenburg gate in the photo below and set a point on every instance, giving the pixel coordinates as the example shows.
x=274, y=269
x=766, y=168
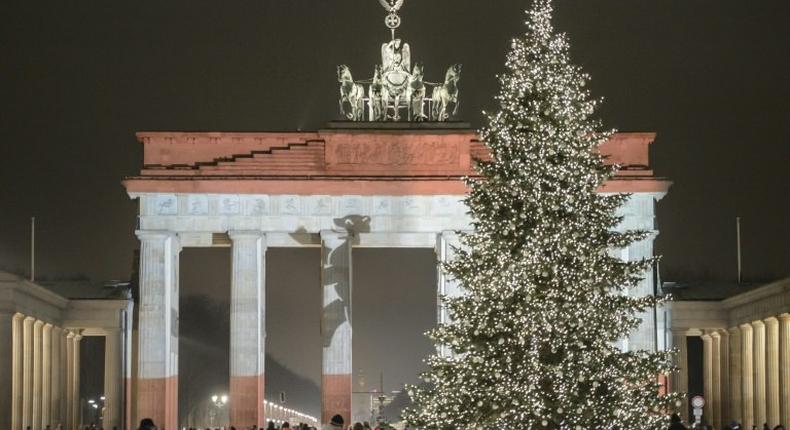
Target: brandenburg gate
x=385, y=185
x=388, y=176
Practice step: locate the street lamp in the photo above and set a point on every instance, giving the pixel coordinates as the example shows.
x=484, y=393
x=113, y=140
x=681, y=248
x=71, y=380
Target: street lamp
x=218, y=402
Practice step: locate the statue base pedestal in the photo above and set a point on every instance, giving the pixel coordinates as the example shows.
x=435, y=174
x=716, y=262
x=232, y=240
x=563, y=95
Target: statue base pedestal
x=400, y=125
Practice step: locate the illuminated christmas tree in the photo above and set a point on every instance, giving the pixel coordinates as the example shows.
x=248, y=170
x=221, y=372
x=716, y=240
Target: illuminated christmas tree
x=533, y=339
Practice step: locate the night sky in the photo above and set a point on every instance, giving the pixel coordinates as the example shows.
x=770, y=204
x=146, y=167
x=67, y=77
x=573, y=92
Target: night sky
x=79, y=78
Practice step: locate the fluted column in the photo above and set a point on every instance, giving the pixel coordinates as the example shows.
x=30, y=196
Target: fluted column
x=113, y=379
x=716, y=379
x=46, y=374
x=724, y=374
x=747, y=376
x=707, y=377
x=75, y=385
x=38, y=328
x=17, y=381
x=759, y=372
x=157, y=369
x=68, y=417
x=772, y=371
x=54, y=387
x=336, y=372
x=27, y=369
x=65, y=391
x=736, y=408
x=247, y=328
x=784, y=369
x=446, y=244
x=681, y=377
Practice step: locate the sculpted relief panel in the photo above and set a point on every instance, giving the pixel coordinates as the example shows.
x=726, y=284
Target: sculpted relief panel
x=397, y=155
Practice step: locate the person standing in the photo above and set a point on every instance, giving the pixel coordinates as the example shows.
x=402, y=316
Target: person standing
x=336, y=423
x=675, y=423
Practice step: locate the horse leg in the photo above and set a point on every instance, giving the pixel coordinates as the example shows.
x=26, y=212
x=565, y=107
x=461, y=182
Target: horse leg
x=435, y=100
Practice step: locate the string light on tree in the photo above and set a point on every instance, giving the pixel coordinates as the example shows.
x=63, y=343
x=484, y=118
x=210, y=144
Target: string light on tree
x=532, y=339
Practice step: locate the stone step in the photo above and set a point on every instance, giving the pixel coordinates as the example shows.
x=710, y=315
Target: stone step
x=284, y=167
x=256, y=172
x=265, y=162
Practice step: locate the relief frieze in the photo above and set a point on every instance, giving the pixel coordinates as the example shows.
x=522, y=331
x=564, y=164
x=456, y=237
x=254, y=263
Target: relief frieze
x=398, y=154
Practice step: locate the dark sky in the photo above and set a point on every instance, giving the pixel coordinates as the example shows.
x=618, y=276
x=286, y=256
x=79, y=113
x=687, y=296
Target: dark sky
x=79, y=78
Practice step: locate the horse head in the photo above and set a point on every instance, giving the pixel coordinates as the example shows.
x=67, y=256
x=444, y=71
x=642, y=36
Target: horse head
x=417, y=73
x=377, y=74
x=344, y=73
x=453, y=74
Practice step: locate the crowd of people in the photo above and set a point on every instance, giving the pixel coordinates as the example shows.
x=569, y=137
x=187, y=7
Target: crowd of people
x=677, y=424
x=336, y=423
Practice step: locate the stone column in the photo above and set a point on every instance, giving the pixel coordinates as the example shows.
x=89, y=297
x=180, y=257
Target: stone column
x=38, y=327
x=446, y=244
x=113, y=379
x=759, y=372
x=707, y=378
x=27, y=369
x=747, y=377
x=157, y=370
x=247, y=328
x=724, y=375
x=129, y=336
x=18, y=372
x=65, y=392
x=716, y=381
x=336, y=372
x=772, y=371
x=784, y=369
x=68, y=416
x=75, y=385
x=681, y=377
x=46, y=374
x=6, y=368
x=55, y=388
x=736, y=408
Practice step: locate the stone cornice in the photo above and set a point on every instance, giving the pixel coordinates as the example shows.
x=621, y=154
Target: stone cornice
x=773, y=289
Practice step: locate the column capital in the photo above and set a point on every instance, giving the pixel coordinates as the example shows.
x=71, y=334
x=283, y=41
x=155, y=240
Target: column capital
x=771, y=320
x=734, y=331
x=245, y=234
x=336, y=234
x=758, y=324
x=154, y=234
x=111, y=331
x=38, y=323
x=784, y=317
x=745, y=327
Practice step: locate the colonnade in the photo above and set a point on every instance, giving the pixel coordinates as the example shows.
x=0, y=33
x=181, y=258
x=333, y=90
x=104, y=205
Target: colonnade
x=746, y=372
x=45, y=375
x=157, y=374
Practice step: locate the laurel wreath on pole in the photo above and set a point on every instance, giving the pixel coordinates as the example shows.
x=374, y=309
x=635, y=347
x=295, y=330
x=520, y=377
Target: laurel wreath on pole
x=391, y=6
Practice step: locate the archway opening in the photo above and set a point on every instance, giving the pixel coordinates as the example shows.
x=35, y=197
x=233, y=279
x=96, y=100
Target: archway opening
x=394, y=304
x=204, y=335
